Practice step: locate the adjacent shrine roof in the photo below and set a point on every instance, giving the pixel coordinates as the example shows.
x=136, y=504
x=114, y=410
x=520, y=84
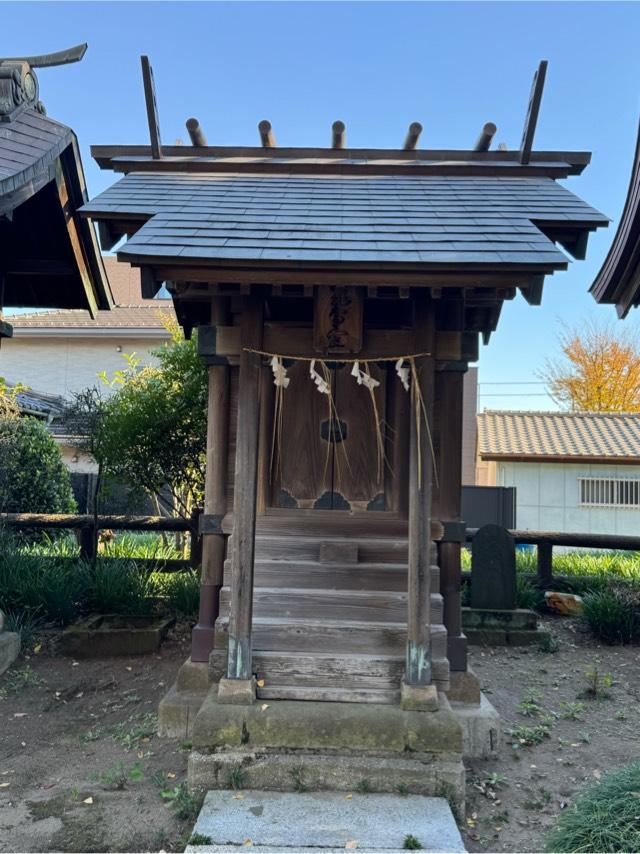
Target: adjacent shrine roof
x=50, y=256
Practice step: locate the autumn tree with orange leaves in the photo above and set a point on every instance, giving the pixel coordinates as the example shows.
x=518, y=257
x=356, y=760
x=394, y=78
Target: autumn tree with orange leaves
x=599, y=370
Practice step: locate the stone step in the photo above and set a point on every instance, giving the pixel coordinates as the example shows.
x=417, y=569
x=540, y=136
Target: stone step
x=282, y=634
x=326, y=821
x=332, y=576
x=318, y=604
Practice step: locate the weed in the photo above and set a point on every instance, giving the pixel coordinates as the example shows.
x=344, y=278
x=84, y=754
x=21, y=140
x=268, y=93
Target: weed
x=402, y=790
x=199, y=839
x=92, y=734
x=496, y=780
x=613, y=615
x=186, y=745
x=527, y=595
x=16, y=680
x=597, y=684
x=604, y=818
x=118, y=587
x=620, y=715
x=185, y=804
x=297, y=775
x=117, y=777
x=584, y=737
x=548, y=643
x=571, y=711
x=364, y=786
x=144, y=726
x=411, y=843
x=446, y=791
x=26, y=624
x=75, y=794
x=530, y=706
x=180, y=591
x=237, y=778
x=526, y=736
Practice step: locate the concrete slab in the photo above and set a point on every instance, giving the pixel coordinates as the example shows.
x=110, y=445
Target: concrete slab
x=324, y=821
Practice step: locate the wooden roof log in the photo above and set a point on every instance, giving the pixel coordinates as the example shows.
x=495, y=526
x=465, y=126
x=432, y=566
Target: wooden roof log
x=152, y=108
x=486, y=135
x=338, y=135
x=533, y=109
x=412, y=137
x=267, y=137
x=196, y=134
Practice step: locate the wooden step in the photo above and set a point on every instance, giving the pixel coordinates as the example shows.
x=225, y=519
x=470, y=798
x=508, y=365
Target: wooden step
x=320, y=523
x=348, y=605
x=319, y=670
x=283, y=634
x=330, y=695
x=371, y=549
x=359, y=576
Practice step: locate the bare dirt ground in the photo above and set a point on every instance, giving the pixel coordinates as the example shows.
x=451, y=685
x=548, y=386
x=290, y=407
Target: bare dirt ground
x=82, y=770
x=512, y=802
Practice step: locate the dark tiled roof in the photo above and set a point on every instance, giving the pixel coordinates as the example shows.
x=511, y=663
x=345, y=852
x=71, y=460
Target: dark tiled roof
x=28, y=144
x=397, y=220
x=545, y=435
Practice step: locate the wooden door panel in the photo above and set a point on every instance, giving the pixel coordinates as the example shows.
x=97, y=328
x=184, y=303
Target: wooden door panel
x=356, y=475
x=303, y=472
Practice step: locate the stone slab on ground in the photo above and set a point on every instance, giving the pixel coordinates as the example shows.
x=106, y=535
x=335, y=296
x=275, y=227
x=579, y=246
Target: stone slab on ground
x=324, y=821
x=104, y=635
x=9, y=649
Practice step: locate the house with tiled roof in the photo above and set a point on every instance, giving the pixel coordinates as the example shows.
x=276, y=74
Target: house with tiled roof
x=59, y=352
x=572, y=471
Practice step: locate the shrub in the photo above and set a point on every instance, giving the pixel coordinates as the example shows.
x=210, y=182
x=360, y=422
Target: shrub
x=180, y=590
x=527, y=595
x=33, y=478
x=118, y=587
x=613, y=614
x=604, y=818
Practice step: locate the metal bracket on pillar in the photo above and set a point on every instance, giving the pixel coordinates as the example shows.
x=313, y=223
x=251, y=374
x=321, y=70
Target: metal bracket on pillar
x=209, y=524
x=207, y=344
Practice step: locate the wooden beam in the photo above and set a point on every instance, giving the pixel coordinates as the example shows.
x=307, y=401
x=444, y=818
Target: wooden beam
x=533, y=109
x=215, y=498
x=152, y=108
x=338, y=135
x=267, y=136
x=412, y=137
x=449, y=385
x=196, y=134
x=244, y=506
x=486, y=135
x=418, y=654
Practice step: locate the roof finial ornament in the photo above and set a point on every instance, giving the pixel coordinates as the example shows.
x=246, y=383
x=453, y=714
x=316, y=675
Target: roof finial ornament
x=486, y=135
x=412, y=137
x=18, y=82
x=533, y=109
x=338, y=135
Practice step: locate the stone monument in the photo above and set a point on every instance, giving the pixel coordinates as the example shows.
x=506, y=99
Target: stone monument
x=9, y=646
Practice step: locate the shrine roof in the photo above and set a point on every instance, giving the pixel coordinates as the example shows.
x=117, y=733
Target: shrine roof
x=409, y=219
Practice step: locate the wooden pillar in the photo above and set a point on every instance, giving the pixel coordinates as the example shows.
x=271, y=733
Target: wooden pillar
x=244, y=505
x=449, y=386
x=215, y=505
x=418, y=654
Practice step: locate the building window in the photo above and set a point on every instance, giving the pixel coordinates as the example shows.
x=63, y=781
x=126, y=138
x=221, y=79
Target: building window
x=609, y=491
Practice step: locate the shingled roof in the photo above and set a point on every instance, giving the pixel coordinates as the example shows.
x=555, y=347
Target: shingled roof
x=555, y=436
x=387, y=220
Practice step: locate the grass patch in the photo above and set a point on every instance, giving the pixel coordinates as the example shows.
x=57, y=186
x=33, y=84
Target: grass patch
x=185, y=804
x=15, y=681
x=613, y=615
x=604, y=818
x=179, y=590
x=411, y=843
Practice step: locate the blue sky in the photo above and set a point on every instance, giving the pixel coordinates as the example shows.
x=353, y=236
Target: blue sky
x=377, y=66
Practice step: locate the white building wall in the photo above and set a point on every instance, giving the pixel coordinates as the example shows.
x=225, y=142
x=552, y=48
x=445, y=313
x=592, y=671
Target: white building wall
x=548, y=498
x=64, y=365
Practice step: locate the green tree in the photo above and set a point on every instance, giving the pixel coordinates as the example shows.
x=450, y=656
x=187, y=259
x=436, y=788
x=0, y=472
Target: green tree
x=151, y=432
x=33, y=478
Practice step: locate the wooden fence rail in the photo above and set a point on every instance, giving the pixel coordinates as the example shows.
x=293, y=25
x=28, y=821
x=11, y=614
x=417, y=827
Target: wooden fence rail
x=546, y=540
x=88, y=527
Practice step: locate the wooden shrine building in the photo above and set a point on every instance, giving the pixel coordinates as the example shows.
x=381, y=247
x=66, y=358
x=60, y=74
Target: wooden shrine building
x=49, y=256
x=339, y=295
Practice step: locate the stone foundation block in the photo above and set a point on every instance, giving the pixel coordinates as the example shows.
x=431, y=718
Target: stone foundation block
x=237, y=692
x=440, y=775
x=315, y=725
x=177, y=712
x=418, y=698
x=480, y=618
x=9, y=649
x=481, y=728
x=464, y=687
x=194, y=676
